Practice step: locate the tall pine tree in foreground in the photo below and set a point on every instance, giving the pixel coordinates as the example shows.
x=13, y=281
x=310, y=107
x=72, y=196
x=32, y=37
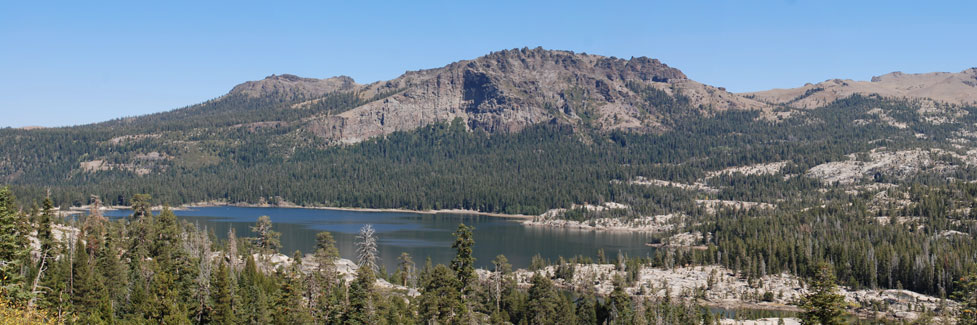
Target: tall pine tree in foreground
x=13, y=249
x=464, y=263
x=823, y=305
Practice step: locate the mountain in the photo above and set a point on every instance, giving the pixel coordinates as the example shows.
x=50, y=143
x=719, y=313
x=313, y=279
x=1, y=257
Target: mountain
x=509, y=90
x=501, y=92
x=515, y=131
x=294, y=85
x=954, y=88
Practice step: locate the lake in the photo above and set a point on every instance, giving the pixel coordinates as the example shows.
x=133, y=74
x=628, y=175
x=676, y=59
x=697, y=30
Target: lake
x=420, y=235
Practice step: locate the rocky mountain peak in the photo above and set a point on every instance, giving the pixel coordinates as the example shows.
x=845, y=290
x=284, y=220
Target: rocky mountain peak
x=508, y=90
x=292, y=85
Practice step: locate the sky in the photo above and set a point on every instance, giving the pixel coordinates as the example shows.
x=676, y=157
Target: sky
x=80, y=62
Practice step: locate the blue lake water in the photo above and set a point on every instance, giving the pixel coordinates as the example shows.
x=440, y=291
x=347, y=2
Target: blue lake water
x=420, y=235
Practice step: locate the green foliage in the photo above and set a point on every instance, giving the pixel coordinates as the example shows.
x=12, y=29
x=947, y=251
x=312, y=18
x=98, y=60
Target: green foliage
x=463, y=264
x=966, y=294
x=621, y=310
x=440, y=301
x=547, y=305
x=253, y=292
x=268, y=240
x=405, y=269
x=325, y=249
x=823, y=305
x=363, y=307
x=13, y=249
x=222, y=296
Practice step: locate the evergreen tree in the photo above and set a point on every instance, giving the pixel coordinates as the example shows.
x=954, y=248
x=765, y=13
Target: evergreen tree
x=362, y=299
x=141, y=304
x=319, y=284
x=268, y=240
x=113, y=273
x=464, y=263
x=13, y=249
x=823, y=305
x=254, y=307
x=587, y=309
x=168, y=305
x=326, y=252
x=546, y=305
x=140, y=231
x=621, y=310
x=222, y=296
x=502, y=279
x=966, y=294
x=405, y=269
x=56, y=296
x=44, y=226
x=440, y=300
x=170, y=255
x=86, y=288
x=289, y=307
x=141, y=206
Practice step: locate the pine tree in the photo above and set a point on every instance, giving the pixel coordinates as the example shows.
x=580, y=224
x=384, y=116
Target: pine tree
x=141, y=206
x=140, y=230
x=464, y=263
x=326, y=252
x=113, y=273
x=44, y=226
x=289, y=307
x=55, y=291
x=405, y=268
x=823, y=305
x=966, y=294
x=440, y=300
x=621, y=309
x=587, y=309
x=222, y=296
x=319, y=284
x=362, y=300
x=169, y=307
x=85, y=289
x=501, y=279
x=254, y=307
x=268, y=240
x=13, y=249
x=546, y=306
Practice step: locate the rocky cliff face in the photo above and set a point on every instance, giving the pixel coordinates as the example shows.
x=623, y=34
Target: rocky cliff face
x=953, y=88
x=509, y=90
x=292, y=85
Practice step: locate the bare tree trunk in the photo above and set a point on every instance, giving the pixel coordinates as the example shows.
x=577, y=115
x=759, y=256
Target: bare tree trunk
x=498, y=289
x=37, y=280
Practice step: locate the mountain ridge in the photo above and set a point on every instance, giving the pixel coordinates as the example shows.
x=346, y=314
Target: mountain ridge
x=505, y=91
x=948, y=87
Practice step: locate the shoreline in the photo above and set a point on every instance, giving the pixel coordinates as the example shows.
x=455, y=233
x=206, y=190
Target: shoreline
x=295, y=206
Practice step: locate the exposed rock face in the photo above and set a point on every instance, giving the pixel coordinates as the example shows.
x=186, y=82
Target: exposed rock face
x=954, y=88
x=898, y=165
x=509, y=90
x=287, y=84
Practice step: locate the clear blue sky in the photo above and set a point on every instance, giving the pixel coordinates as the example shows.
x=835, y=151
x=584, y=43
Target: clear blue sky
x=79, y=62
